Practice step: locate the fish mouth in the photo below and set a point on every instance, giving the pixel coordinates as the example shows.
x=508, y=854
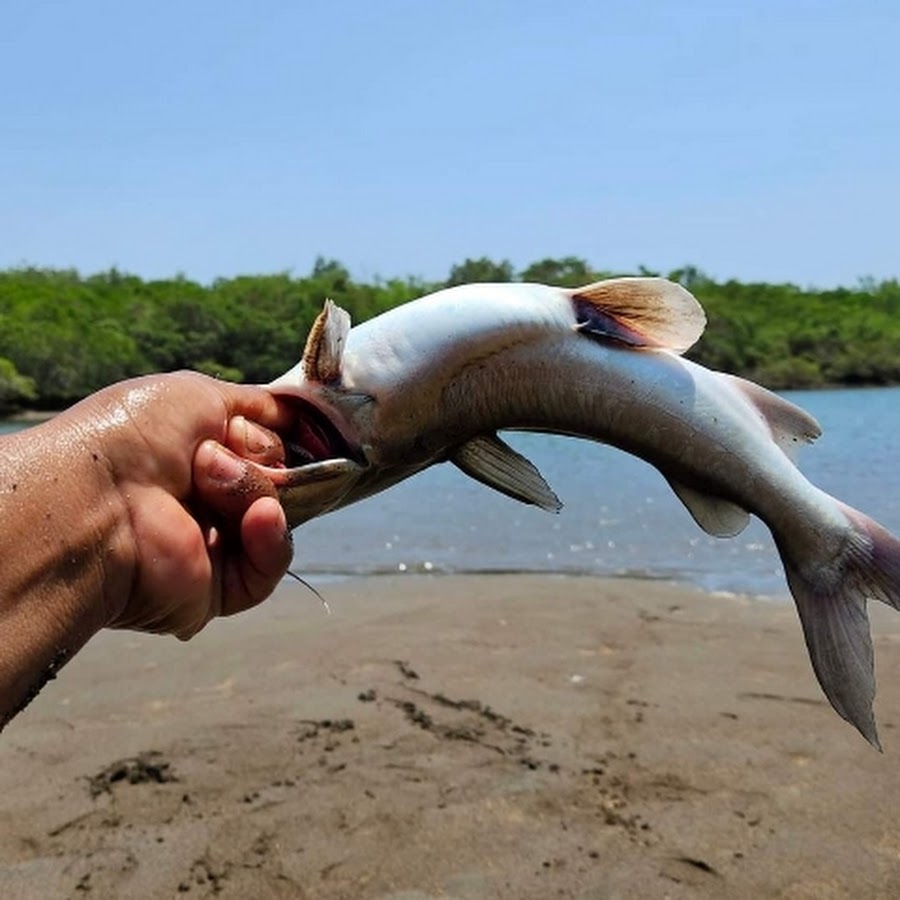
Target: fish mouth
x=321, y=465
x=314, y=438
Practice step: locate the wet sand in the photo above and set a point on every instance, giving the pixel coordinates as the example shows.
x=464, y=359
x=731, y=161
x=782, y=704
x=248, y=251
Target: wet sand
x=456, y=737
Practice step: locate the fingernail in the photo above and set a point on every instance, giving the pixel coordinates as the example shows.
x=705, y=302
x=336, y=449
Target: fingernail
x=256, y=440
x=224, y=467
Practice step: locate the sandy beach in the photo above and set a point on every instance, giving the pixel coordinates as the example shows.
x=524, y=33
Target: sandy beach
x=456, y=737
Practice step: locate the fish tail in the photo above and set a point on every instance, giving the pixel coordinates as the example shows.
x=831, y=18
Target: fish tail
x=831, y=595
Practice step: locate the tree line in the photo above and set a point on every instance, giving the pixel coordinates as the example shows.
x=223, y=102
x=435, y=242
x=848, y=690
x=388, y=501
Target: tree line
x=64, y=335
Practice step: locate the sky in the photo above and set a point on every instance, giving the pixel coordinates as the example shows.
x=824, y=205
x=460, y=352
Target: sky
x=755, y=140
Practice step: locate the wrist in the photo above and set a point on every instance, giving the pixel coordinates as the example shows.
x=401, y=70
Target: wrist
x=67, y=552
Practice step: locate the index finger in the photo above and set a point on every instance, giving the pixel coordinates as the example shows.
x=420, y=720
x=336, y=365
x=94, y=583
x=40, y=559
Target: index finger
x=254, y=402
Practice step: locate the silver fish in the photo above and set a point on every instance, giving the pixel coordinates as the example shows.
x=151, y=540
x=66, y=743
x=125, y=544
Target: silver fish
x=435, y=379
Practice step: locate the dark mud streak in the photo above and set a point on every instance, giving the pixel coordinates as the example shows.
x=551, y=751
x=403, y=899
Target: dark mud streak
x=145, y=768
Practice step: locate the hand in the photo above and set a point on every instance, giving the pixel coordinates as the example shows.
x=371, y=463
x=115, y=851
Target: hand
x=208, y=537
x=136, y=508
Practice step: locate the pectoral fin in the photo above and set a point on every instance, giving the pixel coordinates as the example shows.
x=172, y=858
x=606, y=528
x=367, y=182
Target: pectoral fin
x=641, y=312
x=718, y=517
x=492, y=462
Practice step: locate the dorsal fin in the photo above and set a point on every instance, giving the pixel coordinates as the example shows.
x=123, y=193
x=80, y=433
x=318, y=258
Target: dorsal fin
x=325, y=344
x=791, y=427
x=493, y=462
x=641, y=312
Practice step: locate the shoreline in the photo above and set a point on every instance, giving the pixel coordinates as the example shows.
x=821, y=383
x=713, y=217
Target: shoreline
x=513, y=736
x=318, y=577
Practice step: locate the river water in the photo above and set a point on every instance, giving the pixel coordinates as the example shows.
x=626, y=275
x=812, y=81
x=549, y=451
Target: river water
x=619, y=518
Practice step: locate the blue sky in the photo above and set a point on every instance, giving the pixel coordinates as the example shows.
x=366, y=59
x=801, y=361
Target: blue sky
x=757, y=140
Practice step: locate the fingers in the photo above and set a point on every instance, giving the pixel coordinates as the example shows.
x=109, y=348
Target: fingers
x=254, y=442
x=227, y=483
x=255, y=403
x=254, y=548
x=267, y=552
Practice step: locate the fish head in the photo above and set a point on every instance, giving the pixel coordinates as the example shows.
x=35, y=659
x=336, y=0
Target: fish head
x=332, y=453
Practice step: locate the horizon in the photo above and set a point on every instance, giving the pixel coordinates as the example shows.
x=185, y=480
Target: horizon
x=862, y=283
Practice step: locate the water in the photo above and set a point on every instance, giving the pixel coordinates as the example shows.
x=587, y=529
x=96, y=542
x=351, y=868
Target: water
x=620, y=517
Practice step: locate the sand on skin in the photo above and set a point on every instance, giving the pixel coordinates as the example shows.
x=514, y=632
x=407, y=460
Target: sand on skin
x=467, y=737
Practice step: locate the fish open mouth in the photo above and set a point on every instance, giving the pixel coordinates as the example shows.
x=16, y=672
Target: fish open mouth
x=313, y=438
x=320, y=464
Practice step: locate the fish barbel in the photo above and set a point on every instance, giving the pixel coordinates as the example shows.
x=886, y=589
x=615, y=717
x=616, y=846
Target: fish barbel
x=434, y=380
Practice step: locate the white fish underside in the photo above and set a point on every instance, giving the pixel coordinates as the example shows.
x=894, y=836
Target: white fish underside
x=437, y=378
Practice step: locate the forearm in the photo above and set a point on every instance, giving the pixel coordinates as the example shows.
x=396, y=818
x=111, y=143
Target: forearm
x=110, y=515
x=61, y=540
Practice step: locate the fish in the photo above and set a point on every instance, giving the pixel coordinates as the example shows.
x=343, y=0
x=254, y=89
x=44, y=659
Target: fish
x=436, y=379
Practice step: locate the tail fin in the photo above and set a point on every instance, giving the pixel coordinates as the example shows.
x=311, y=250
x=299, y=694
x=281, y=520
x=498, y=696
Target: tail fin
x=831, y=599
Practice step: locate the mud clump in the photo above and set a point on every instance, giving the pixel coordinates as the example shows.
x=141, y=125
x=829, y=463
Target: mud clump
x=145, y=768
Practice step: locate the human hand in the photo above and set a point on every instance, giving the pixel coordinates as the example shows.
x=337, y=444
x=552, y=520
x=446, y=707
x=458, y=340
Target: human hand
x=206, y=535
x=139, y=507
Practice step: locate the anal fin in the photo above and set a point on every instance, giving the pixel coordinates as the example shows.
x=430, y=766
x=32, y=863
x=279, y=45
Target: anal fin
x=718, y=517
x=493, y=462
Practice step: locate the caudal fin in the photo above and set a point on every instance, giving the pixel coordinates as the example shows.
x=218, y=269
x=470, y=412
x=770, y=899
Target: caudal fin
x=831, y=599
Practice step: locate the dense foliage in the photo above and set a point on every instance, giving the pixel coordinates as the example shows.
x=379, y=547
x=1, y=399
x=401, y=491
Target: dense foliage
x=63, y=335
